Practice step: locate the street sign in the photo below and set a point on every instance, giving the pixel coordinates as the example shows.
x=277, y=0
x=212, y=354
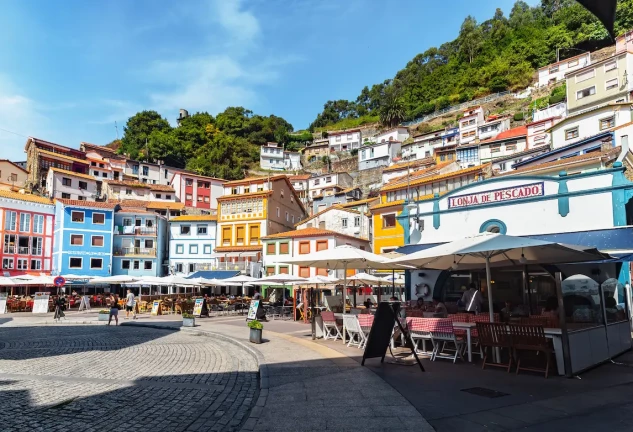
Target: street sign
x=59, y=281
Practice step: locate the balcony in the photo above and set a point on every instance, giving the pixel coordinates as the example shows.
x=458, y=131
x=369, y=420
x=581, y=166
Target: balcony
x=135, y=230
x=135, y=251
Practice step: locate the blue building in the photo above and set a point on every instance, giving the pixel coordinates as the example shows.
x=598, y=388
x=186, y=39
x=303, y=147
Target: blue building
x=83, y=238
x=140, y=243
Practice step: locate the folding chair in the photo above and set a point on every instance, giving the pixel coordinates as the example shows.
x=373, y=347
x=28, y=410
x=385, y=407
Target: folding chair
x=365, y=321
x=355, y=333
x=331, y=328
x=420, y=330
x=442, y=332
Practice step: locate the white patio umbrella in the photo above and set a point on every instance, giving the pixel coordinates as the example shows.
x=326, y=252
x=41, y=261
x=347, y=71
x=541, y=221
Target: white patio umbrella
x=498, y=250
x=33, y=280
x=121, y=279
x=243, y=280
x=5, y=281
x=281, y=279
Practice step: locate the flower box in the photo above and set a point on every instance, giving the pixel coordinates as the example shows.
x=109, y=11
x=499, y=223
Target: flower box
x=104, y=316
x=188, y=322
x=255, y=336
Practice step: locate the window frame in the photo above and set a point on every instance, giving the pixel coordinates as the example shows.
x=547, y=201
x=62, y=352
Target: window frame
x=610, y=119
x=193, y=249
x=76, y=235
x=92, y=239
x=98, y=223
x=301, y=245
x=83, y=216
x=180, y=249
x=580, y=93
x=384, y=218
x=93, y=267
x=81, y=260
x=287, y=245
x=576, y=129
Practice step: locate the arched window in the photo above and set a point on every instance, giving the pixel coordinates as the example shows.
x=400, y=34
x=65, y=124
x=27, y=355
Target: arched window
x=493, y=226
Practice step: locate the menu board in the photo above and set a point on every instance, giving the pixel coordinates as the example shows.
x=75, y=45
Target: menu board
x=40, y=302
x=197, y=307
x=156, y=307
x=252, y=309
x=3, y=303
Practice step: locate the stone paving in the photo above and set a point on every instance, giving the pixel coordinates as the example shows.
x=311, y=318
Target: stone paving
x=99, y=378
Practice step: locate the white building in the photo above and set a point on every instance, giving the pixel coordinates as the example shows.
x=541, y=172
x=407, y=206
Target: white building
x=271, y=156
x=318, y=185
x=399, y=133
x=537, y=135
x=378, y=154
x=503, y=145
x=424, y=145
x=555, y=72
x=192, y=240
x=556, y=110
x=341, y=218
x=70, y=185
x=345, y=140
x=126, y=190
x=292, y=160
x=492, y=127
x=469, y=124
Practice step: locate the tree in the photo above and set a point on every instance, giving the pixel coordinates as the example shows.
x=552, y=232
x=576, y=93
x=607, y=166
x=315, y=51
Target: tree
x=137, y=131
x=470, y=38
x=391, y=110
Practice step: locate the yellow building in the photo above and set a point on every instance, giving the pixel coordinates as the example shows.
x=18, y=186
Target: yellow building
x=421, y=185
x=251, y=209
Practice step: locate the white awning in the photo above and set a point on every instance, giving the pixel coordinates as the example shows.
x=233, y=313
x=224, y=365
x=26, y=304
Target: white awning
x=234, y=254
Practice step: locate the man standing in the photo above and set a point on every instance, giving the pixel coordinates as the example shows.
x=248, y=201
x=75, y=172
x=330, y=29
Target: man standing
x=130, y=305
x=472, y=299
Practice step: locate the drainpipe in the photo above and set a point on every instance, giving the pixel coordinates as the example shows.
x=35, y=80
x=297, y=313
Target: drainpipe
x=624, y=142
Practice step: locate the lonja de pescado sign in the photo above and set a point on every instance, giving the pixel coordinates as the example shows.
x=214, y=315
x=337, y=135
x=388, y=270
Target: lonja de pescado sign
x=497, y=195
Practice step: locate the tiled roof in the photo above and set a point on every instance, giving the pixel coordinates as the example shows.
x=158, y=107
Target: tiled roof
x=431, y=179
x=358, y=203
x=72, y=173
x=309, y=232
x=421, y=173
x=300, y=177
x=185, y=172
x=161, y=188
x=512, y=133
x=74, y=159
x=195, y=218
x=567, y=161
x=388, y=204
x=129, y=203
x=14, y=164
x=25, y=197
x=543, y=120
x=327, y=209
x=239, y=248
x=165, y=205
x=128, y=184
x=93, y=204
x=413, y=164
x=258, y=179
x=245, y=195
x=98, y=147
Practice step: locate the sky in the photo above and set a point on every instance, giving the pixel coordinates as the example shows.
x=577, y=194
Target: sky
x=69, y=70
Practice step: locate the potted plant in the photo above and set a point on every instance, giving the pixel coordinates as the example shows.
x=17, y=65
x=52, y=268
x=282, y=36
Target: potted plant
x=104, y=315
x=256, y=331
x=188, y=320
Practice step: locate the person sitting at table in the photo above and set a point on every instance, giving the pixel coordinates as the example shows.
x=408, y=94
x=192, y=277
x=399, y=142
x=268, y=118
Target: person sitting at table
x=368, y=303
x=419, y=303
x=551, y=310
x=440, y=307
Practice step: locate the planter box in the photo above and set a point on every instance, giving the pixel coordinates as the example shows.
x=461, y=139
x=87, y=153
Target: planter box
x=104, y=317
x=188, y=322
x=255, y=336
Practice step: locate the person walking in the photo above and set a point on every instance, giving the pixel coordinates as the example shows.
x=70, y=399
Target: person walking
x=130, y=305
x=114, y=309
x=472, y=299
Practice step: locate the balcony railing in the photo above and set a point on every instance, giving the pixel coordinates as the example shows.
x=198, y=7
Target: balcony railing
x=134, y=230
x=21, y=250
x=135, y=251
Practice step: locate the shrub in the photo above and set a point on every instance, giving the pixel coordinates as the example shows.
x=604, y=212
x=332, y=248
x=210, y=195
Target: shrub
x=255, y=324
x=519, y=116
x=556, y=99
x=187, y=315
x=104, y=311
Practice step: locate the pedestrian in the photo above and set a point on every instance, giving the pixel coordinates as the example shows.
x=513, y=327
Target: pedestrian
x=472, y=299
x=130, y=305
x=114, y=309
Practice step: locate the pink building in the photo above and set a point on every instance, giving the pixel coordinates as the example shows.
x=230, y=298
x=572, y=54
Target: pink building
x=197, y=191
x=536, y=132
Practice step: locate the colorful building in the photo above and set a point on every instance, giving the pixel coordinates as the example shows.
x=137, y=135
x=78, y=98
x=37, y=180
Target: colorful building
x=197, y=191
x=83, y=238
x=26, y=227
x=192, y=240
x=42, y=155
x=71, y=185
x=12, y=176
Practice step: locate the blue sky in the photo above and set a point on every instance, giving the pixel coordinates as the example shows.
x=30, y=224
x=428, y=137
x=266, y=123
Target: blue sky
x=70, y=69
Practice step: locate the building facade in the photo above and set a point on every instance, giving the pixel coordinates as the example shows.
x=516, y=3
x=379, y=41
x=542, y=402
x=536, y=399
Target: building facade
x=555, y=72
x=380, y=154
x=348, y=219
x=42, y=155
x=192, y=240
x=26, y=227
x=317, y=185
x=12, y=176
x=83, y=238
x=345, y=140
x=70, y=185
x=537, y=134
x=197, y=191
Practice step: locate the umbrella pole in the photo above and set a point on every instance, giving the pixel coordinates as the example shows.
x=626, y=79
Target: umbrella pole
x=343, y=290
x=304, y=297
x=491, y=311
x=354, y=290
x=294, y=304
x=313, y=318
x=393, y=283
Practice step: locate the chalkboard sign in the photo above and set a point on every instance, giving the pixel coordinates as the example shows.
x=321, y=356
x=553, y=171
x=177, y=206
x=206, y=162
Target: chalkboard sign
x=197, y=307
x=252, y=310
x=381, y=331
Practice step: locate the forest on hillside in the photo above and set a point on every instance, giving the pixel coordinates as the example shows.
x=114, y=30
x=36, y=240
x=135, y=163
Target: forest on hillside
x=499, y=54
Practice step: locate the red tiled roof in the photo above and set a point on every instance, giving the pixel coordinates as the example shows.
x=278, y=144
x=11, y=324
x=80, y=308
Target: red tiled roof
x=94, y=204
x=300, y=177
x=412, y=164
x=25, y=197
x=512, y=133
x=127, y=203
x=161, y=188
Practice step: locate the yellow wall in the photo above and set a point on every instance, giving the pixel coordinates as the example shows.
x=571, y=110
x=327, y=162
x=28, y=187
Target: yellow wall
x=387, y=237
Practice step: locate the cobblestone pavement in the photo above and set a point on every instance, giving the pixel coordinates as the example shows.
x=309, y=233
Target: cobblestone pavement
x=99, y=378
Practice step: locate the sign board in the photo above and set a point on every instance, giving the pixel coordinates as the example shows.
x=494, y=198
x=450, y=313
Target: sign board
x=40, y=302
x=59, y=281
x=252, y=310
x=3, y=303
x=197, y=307
x=85, y=303
x=156, y=307
x=497, y=195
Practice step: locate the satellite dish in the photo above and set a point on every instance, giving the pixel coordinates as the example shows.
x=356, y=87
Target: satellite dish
x=415, y=237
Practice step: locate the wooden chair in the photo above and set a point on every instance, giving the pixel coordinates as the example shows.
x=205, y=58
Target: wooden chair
x=491, y=336
x=530, y=338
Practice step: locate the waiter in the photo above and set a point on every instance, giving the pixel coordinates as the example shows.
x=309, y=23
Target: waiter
x=472, y=299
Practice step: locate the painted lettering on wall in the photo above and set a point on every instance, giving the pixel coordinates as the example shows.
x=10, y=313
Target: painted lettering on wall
x=497, y=195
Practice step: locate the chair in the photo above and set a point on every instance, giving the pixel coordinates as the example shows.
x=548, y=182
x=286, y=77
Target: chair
x=420, y=330
x=365, y=321
x=441, y=332
x=330, y=326
x=535, y=320
x=491, y=336
x=353, y=330
x=530, y=338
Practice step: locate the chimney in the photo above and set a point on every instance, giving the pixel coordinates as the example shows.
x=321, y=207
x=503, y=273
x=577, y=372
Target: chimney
x=182, y=115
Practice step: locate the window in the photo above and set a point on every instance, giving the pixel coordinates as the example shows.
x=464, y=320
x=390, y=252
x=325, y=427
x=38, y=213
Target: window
x=502, y=166
x=553, y=69
x=608, y=66
x=66, y=182
x=611, y=84
x=81, y=198
x=149, y=244
x=226, y=236
x=344, y=222
x=584, y=76
x=75, y=263
x=304, y=248
x=356, y=221
x=511, y=147
x=278, y=212
x=185, y=229
x=193, y=249
x=77, y=216
x=158, y=196
x=97, y=241
x=65, y=195
x=199, y=198
x=586, y=92
x=148, y=265
x=321, y=245
x=338, y=138
x=206, y=249
x=607, y=123
x=287, y=217
x=77, y=239
x=293, y=219
x=571, y=133
x=389, y=220
x=284, y=248
x=442, y=157
x=240, y=232
x=363, y=155
x=316, y=182
x=128, y=191
x=7, y=263
x=25, y=222
x=83, y=185
x=136, y=265
x=145, y=170
x=38, y=224
x=125, y=264
x=207, y=200
x=23, y=264
x=96, y=263
x=304, y=272
x=10, y=221
x=572, y=63
x=189, y=182
x=271, y=248
x=36, y=265
x=168, y=197
x=98, y=218
x=254, y=234
x=180, y=249
x=202, y=229
x=188, y=197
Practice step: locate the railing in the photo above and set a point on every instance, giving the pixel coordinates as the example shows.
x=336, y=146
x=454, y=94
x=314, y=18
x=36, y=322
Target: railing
x=23, y=250
x=135, y=251
x=36, y=251
x=134, y=230
x=9, y=249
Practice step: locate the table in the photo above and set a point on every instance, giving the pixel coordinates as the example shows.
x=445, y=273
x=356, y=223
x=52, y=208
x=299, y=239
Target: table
x=555, y=334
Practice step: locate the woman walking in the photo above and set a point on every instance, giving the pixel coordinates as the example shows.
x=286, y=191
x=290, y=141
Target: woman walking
x=114, y=309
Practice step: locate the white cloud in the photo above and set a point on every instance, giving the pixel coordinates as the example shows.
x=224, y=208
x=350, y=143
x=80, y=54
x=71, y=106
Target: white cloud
x=240, y=24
